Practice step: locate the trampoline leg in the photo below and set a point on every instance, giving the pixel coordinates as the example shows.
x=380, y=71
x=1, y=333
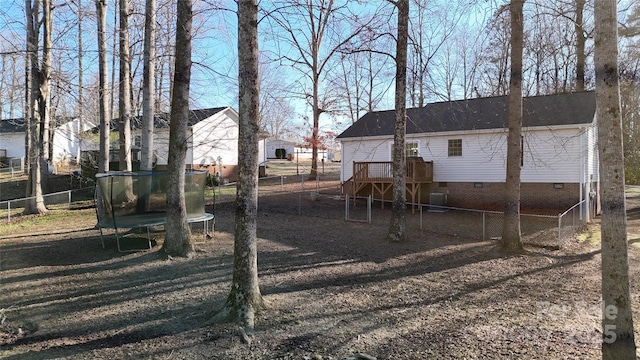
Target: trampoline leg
x=149, y=238
x=118, y=240
x=102, y=238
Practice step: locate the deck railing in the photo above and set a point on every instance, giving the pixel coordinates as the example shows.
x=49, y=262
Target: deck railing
x=382, y=171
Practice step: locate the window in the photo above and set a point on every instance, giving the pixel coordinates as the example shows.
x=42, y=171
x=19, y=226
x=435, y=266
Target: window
x=411, y=149
x=455, y=147
x=137, y=141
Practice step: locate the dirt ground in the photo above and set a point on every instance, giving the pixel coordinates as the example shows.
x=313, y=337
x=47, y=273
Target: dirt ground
x=334, y=289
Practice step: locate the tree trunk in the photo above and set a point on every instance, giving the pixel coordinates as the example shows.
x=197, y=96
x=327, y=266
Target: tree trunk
x=245, y=299
x=617, y=322
x=511, y=238
x=124, y=97
x=103, y=87
x=178, y=234
x=35, y=205
x=398, y=216
x=80, y=131
x=581, y=38
x=148, y=97
x=32, y=48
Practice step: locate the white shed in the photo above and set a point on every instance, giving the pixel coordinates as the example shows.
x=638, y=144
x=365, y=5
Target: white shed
x=279, y=149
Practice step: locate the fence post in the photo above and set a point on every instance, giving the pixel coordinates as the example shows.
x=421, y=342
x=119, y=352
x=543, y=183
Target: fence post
x=346, y=207
x=559, y=230
x=281, y=182
x=8, y=211
x=484, y=225
x=369, y=209
x=69, y=204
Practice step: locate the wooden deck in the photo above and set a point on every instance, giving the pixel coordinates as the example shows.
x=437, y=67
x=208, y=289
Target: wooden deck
x=378, y=176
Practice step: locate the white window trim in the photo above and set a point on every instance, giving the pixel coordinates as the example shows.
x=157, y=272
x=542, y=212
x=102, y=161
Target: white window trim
x=390, y=152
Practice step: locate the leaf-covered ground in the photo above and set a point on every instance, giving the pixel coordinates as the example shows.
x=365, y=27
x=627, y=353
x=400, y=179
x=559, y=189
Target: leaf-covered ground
x=334, y=289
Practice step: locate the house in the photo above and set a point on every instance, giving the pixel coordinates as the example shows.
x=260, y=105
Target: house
x=66, y=141
x=458, y=151
x=280, y=149
x=212, y=144
x=12, y=138
x=65, y=144
x=305, y=152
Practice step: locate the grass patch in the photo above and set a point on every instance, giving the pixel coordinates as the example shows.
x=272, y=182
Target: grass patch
x=21, y=224
x=591, y=236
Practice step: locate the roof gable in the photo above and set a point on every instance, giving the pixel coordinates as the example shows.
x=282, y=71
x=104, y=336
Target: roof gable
x=18, y=125
x=162, y=121
x=12, y=126
x=480, y=114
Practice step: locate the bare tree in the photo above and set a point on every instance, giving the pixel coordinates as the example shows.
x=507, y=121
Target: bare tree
x=124, y=97
x=37, y=100
x=80, y=80
x=581, y=39
x=397, y=224
x=103, y=87
x=245, y=299
x=276, y=111
x=494, y=58
x=309, y=27
x=426, y=41
x=178, y=239
x=511, y=237
x=148, y=83
x=617, y=320
x=364, y=77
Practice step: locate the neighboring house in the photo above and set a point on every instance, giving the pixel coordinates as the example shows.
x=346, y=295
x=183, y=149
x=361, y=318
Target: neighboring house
x=65, y=146
x=463, y=146
x=12, y=138
x=280, y=149
x=213, y=141
x=303, y=152
x=66, y=142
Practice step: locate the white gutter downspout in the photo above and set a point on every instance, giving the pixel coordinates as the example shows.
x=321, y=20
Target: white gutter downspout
x=582, y=164
x=342, y=162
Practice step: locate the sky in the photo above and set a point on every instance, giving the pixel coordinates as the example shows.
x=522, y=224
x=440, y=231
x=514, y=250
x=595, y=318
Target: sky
x=214, y=51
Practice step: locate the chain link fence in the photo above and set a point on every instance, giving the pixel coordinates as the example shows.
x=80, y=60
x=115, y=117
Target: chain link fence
x=536, y=229
x=302, y=195
x=69, y=199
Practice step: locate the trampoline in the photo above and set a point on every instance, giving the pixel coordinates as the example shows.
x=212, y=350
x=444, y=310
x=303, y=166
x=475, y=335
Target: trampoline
x=132, y=200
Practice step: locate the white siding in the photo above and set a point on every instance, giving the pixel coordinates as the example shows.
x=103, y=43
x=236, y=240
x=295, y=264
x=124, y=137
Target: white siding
x=483, y=157
x=272, y=145
x=549, y=155
x=65, y=140
x=592, y=156
x=552, y=156
x=13, y=143
x=215, y=139
x=161, y=146
x=362, y=151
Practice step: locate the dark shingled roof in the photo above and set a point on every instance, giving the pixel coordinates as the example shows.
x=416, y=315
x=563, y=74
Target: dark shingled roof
x=18, y=125
x=161, y=121
x=12, y=125
x=480, y=114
